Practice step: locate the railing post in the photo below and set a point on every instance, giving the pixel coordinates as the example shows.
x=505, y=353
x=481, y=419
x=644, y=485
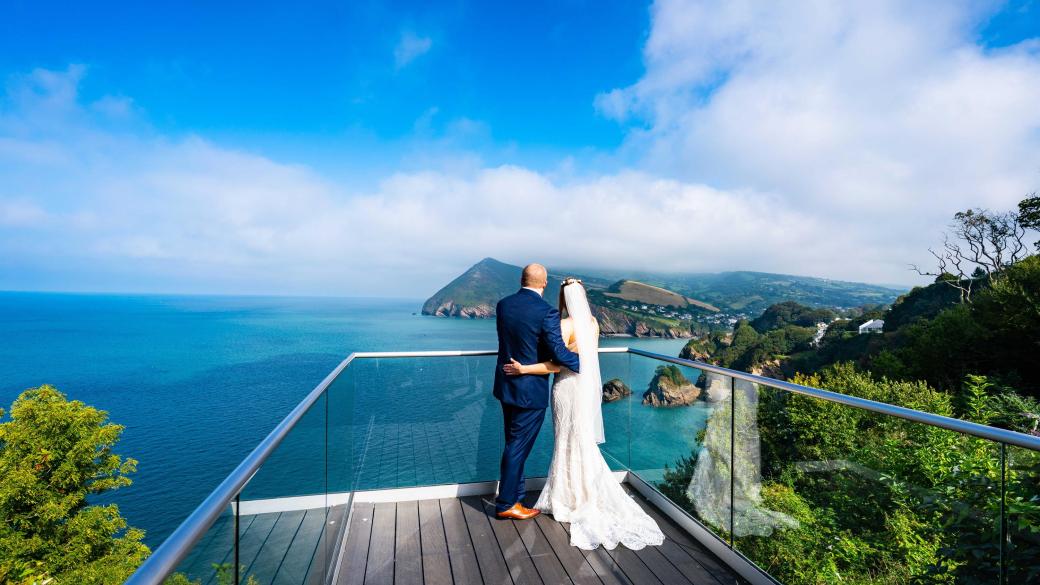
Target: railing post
x=732, y=451
x=1003, y=514
x=238, y=511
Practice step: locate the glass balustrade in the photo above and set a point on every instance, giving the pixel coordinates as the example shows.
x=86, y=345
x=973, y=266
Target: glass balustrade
x=860, y=496
x=211, y=559
x=809, y=490
x=1022, y=521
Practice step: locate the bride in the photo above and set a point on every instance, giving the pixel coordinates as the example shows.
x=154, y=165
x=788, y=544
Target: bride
x=581, y=489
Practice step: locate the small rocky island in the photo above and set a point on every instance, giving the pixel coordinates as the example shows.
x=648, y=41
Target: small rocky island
x=615, y=389
x=670, y=387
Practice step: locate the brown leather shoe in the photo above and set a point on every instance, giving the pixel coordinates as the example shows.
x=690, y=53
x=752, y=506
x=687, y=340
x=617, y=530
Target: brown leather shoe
x=518, y=512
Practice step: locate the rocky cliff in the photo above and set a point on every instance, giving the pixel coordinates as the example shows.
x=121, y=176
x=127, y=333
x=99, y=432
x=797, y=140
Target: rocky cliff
x=475, y=292
x=613, y=322
x=450, y=309
x=770, y=369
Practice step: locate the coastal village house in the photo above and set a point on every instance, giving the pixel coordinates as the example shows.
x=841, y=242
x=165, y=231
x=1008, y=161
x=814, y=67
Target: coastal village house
x=872, y=326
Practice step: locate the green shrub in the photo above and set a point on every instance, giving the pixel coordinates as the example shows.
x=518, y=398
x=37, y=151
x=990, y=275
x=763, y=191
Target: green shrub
x=54, y=454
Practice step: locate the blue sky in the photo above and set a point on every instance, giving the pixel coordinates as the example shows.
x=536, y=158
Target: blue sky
x=321, y=79
x=370, y=148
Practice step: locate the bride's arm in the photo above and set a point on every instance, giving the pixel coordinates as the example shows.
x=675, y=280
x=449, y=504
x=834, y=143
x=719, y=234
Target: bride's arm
x=515, y=368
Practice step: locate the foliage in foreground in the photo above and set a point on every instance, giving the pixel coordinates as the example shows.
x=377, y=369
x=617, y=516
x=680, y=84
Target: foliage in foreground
x=883, y=500
x=54, y=454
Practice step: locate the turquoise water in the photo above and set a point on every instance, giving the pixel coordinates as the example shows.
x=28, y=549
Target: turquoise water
x=198, y=381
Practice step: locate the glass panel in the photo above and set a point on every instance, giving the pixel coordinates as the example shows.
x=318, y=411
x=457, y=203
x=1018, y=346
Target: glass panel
x=434, y=420
x=212, y=556
x=430, y=421
x=342, y=474
x=284, y=508
x=825, y=492
x=618, y=398
x=681, y=439
x=1023, y=515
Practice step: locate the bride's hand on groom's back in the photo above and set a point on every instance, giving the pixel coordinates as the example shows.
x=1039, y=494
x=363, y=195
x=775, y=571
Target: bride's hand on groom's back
x=513, y=368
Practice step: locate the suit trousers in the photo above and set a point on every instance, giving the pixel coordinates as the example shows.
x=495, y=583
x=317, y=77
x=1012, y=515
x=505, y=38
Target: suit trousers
x=521, y=430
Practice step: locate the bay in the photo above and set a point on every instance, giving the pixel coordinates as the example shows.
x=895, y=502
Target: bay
x=198, y=381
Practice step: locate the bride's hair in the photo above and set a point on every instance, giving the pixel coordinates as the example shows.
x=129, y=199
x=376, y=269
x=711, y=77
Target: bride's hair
x=563, y=300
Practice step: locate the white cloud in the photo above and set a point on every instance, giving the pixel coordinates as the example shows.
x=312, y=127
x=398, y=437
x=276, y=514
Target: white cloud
x=884, y=112
x=826, y=139
x=210, y=218
x=410, y=47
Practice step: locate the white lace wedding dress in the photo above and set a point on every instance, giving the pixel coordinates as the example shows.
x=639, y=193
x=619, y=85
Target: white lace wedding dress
x=580, y=488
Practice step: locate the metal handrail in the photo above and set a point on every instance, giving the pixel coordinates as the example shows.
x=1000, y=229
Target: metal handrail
x=172, y=551
x=163, y=562
x=935, y=420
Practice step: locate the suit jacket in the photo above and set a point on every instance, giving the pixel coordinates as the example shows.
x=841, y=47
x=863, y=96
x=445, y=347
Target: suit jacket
x=529, y=332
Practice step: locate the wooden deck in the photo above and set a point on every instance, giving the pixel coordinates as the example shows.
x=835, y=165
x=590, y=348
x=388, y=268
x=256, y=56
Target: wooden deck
x=281, y=548
x=458, y=541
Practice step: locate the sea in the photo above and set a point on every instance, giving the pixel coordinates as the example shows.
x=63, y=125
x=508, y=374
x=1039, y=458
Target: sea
x=198, y=381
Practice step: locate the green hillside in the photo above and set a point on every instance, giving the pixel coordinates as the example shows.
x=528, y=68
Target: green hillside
x=750, y=293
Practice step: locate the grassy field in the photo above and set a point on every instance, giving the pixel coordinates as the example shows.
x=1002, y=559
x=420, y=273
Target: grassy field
x=631, y=290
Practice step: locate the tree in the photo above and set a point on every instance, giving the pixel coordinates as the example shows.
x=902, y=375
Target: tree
x=54, y=454
x=1029, y=214
x=981, y=245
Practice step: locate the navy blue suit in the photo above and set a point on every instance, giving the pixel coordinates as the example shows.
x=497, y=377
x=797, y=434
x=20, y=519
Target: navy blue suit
x=529, y=332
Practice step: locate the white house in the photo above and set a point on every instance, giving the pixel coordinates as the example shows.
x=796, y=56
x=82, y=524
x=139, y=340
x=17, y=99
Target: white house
x=872, y=326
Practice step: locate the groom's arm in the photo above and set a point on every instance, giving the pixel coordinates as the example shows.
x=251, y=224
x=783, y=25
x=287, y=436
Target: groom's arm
x=554, y=339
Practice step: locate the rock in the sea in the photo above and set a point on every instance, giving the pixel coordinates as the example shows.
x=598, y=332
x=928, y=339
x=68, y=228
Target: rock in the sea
x=615, y=390
x=670, y=388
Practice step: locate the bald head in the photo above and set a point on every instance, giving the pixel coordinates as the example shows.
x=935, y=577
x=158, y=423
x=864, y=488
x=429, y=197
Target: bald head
x=534, y=276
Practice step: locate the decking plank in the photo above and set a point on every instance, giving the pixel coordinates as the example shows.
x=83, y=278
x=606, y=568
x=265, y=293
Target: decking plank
x=335, y=522
x=269, y=558
x=212, y=547
x=660, y=566
x=461, y=554
x=605, y=568
x=629, y=563
x=518, y=559
x=459, y=542
x=572, y=559
x=407, y=552
x=355, y=552
x=252, y=540
x=492, y=563
x=435, y=562
x=380, y=567
x=688, y=544
x=227, y=539
x=545, y=559
x=601, y=564
x=297, y=562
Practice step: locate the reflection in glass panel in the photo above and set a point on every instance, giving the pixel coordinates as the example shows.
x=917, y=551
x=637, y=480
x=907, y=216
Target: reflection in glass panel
x=681, y=436
x=852, y=495
x=212, y=557
x=1023, y=515
x=284, y=511
x=709, y=490
x=618, y=398
x=428, y=421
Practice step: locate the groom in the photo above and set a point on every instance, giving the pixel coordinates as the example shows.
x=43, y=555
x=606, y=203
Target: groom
x=529, y=332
